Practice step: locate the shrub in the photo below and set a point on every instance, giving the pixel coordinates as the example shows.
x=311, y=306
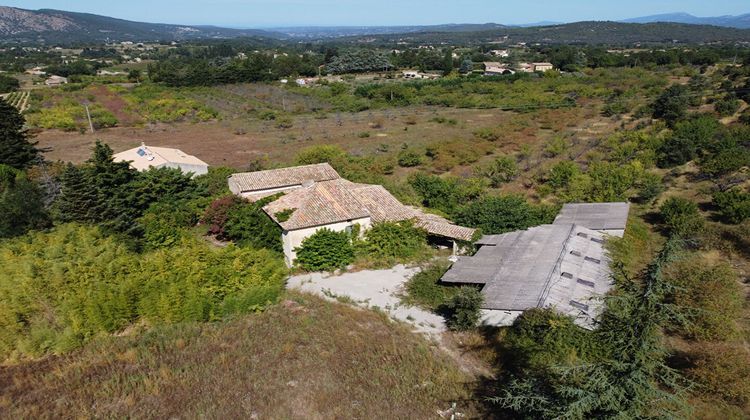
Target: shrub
x=164, y=223
x=681, y=216
x=217, y=214
x=501, y=170
x=561, y=173
x=488, y=134
x=721, y=369
x=733, y=204
x=60, y=289
x=688, y=139
x=445, y=193
x=494, y=215
x=424, y=288
x=652, y=185
x=409, y=158
x=556, y=146
x=21, y=204
x=325, y=250
x=464, y=309
x=392, y=242
x=727, y=106
x=709, y=295
x=672, y=104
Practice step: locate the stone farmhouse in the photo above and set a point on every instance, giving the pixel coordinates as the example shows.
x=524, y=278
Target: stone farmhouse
x=316, y=197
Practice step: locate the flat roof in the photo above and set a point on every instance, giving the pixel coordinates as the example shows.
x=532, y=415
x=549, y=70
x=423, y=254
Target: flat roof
x=596, y=216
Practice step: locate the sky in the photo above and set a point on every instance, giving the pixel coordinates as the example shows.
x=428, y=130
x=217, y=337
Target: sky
x=274, y=13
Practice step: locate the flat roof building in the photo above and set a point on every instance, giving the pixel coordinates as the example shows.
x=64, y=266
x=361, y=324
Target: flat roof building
x=143, y=157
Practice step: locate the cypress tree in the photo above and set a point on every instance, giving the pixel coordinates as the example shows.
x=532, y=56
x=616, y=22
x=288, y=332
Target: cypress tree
x=79, y=199
x=15, y=148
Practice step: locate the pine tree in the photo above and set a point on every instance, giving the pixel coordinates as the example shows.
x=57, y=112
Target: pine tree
x=79, y=199
x=15, y=149
x=21, y=207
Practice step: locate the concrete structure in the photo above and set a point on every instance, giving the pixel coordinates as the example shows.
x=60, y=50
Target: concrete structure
x=144, y=157
x=56, y=81
x=316, y=197
x=563, y=266
x=542, y=67
x=500, y=53
x=609, y=218
x=525, y=68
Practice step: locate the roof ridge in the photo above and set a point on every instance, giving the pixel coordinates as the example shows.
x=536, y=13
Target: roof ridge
x=558, y=263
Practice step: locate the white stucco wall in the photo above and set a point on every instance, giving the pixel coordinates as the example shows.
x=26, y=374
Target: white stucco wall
x=499, y=318
x=186, y=167
x=292, y=239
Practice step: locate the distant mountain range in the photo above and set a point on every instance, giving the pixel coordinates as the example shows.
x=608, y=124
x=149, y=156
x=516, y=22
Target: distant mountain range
x=62, y=27
x=741, y=21
x=57, y=26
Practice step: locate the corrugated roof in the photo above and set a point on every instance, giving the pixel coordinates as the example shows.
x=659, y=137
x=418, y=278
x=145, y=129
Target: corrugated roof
x=596, y=216
x=557, y=266
x=283, y=177
x=143, y=157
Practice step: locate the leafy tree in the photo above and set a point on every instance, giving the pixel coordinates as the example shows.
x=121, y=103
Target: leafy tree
x=325, y=250
x=651, y=186
x=444, y=193
x=671, y=106
x=604, y=182
x=727, y=106
x=681, y=216
x=217, y=214
x=8, y=84
x=688, y=139
x=464, y=309
x=467, y=66
x=15, y=148
x=733, y=204
x=494, y=215
x=561, y=173
x=447, y=62
x=21, y=204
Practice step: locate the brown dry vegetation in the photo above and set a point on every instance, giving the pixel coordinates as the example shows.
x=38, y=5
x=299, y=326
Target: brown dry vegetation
x=305, y=358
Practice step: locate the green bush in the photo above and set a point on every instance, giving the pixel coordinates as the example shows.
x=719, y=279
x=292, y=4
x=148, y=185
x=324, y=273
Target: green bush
x=464, y=309
x=409, y=158
x=505, y=213
x=424, y=288
x=561, y=173
x=165, y=223
x=733, y=204
x=651, y=186
x=501, y=170
x=681, y=217
x=392, y=242
x=727, y=106
x=60, y=289
x=325, y=250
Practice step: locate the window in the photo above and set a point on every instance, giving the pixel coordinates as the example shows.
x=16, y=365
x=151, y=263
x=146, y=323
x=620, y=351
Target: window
x=579, y=305
x=587, y=283
x=593, y=260
x=567, y=275
x=597, y=240
x=582, y=235
x=576, y=253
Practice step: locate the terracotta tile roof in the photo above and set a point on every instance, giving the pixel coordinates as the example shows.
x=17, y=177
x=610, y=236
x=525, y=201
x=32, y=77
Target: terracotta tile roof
x=340, y=200
x=283, y=177
x=319, y=204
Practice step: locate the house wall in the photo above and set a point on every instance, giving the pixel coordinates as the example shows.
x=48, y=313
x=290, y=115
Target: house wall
x=499, y=318
x=292, y=239
x=185, y=168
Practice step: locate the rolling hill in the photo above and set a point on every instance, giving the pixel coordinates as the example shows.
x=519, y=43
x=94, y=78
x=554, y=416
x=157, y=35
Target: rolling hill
x=57, y=26
x=740, y=21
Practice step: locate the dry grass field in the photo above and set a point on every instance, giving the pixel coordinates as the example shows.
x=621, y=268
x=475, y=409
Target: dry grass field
x=296, y=360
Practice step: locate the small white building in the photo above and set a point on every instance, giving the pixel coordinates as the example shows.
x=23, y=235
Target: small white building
x=542, y=67
x=56, y=81
x=500, y=53
x=144, y=157
x=316, y=197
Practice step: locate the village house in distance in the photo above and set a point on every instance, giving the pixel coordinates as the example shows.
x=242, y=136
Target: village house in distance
x=562, y=266
x=316, y=197
x=143, y=157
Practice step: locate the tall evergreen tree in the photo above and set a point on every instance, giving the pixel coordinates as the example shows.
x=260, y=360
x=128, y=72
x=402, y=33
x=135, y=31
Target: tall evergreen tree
x=79, y=199
x=21, y=207
x=15, y=148
x=111, y=180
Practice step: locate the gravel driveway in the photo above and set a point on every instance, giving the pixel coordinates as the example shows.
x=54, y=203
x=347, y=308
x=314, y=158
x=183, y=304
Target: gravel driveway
x=370, y=289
